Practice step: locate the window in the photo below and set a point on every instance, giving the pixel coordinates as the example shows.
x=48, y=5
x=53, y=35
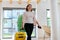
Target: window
x=7, y=24
x=48, y=18
x=10, y=21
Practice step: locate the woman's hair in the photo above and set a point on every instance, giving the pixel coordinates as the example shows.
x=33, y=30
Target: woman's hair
x=27, y=7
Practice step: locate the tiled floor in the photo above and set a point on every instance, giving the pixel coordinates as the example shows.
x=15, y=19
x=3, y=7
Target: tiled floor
x=44, y=39
x=38, y=39
x=42, y=36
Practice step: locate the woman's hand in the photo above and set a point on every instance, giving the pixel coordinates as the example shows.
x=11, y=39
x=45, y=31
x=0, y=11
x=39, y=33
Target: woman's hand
x=22, y=28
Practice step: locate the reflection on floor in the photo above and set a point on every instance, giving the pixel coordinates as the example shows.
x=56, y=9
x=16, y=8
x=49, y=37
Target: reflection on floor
x=44, y=33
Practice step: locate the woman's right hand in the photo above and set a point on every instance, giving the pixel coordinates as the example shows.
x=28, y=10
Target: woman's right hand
x=22, y=28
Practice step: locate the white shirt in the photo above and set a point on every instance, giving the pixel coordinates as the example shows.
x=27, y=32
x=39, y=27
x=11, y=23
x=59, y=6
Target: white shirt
x=28, y=17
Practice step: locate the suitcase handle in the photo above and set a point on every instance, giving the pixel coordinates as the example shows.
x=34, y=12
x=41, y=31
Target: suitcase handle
x=20, y=34
x=21, y=29
x=20, y=37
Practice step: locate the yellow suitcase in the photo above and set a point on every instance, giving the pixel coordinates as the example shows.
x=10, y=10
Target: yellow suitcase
x=20, y=36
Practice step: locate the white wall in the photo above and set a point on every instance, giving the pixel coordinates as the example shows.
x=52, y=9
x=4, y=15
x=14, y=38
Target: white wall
x=41, y=11
x=58, y=28
x=55, y=9
x=0, y=20
x=42, y=18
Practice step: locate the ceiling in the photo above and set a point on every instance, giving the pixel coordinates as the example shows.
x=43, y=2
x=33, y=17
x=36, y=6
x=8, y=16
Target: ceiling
x=17, y=0
x=58, y=1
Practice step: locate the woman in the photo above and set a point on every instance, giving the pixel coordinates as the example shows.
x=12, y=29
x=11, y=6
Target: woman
x=29, y=21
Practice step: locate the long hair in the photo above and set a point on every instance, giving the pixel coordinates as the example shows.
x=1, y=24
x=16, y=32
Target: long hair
x=27, y=7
